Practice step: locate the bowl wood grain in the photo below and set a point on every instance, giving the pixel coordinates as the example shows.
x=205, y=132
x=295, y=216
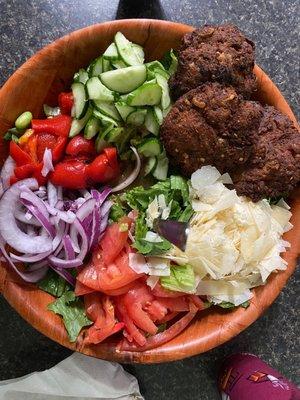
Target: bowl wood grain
x=39, y=81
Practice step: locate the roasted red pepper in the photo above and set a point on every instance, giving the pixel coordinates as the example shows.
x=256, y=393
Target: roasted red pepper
x=65, y=102
x=59, y=126
x=20, y=156
x=80, y=146
x=70, y=173
x=105, y=167
x=80, y=172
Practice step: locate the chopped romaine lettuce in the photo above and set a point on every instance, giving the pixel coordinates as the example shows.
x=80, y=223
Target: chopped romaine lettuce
x=227, y=304
x=72, y=310
x=181, y=279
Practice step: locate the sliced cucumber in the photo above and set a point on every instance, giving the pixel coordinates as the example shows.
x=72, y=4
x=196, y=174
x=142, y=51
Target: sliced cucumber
x=161, y=170
x=80, y=99
x=124, y=80
x=150, y=147
x=81, y=76
x=150, y=165
x=124, y=110
x=78, y=124
x=118, y=64
x=149, y=94
x=92, y=128
x=107, y=109
x=139, y=52
x=105, y=119
x=137, y=117
x=111, y=53
x=114, y=134
x=166, y=111
x=165, y=97
x=126, y=50
x=100, y=142
x=106, y=66
x=95, y=68
x=97, y=91
x=158, y=115
x=151, y=123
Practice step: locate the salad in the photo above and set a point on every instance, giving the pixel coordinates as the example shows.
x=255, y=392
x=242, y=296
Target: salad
x=136, y=261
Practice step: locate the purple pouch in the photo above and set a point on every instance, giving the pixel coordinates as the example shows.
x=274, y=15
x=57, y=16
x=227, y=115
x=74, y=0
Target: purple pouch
x=247, y=377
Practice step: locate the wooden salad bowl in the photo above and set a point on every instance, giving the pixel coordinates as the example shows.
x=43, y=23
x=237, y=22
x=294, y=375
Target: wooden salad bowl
x=39, y=81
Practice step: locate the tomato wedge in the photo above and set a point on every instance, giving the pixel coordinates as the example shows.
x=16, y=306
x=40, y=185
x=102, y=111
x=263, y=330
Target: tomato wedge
x=101, y=310
x=114, y=240
x=81, y=289
x=131, y=331
x=160, y=338
x=107, y=278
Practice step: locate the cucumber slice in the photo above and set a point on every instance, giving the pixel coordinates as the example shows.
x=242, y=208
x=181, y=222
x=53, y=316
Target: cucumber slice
x=166, y=111
x=149, y=94
x=106, y=66
x=114, y=134
x=80, y=99
x=107, y=109
x=139, y=52
x=151, y=123
x=100, y=142
x=97, y=91
x=165, y=97
x=111, y=53
x=105, y=119
x=124, y=110
x=126, y=50
x=124, y=80
x=118, y=64
x=150, y=147
x=92, y=128
x=150, y=165
x=95, y=68
x=161, y=170
x=158, y=115
x=81, y=76
x=78, y=124
x=137, y=117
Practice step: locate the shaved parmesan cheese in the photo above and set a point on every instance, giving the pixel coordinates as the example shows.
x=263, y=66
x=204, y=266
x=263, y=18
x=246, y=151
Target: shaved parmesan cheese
x=153, y=237
x=152, y=281
x=233, y=243
x=138, y=264
x=155, y=266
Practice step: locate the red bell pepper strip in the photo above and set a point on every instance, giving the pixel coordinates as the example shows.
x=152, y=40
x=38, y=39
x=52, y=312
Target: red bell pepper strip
x=24, y=171
x=65, y=102
x=59, y=126
x=20, y=156
x=79, y=145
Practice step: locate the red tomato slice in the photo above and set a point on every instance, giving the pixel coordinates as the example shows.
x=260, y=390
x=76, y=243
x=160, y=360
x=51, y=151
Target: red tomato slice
x=114, y=240
x=160, y=338
x=175, y=304
x=134, y=301
x=81, y=289
x=106, y=278
x=101, y=308
x=131, y=331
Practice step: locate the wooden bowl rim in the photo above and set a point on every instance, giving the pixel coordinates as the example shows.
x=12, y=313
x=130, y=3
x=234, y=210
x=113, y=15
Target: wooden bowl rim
x=13, y=289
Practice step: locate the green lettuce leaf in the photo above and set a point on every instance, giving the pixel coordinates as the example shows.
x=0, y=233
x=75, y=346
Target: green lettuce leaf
x=54, y=284
x=181, y=279
x=228, y=305
x=72, y=310
x=150, y=248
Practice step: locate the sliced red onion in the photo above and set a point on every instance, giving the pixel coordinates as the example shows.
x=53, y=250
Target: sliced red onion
x=38, y=265
x=95, y=233
x=42, y=219
x=22, y=216
x=47, y=161
x=84, y=239
x=74, y=239
x=59, y=204
x=29, y=258
x=9, y=229
x=52, y=194
x=86, y=209
x=59, y=193
x=28, y=197
x=31, y=276
x=59, y=263
x=70, y=254
x=106, y=207
x=65, y=274
x=86, y=194
x=104, y=222
x=7, y=171
x=30, y=230
x=132, y=177
x=100, y=197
